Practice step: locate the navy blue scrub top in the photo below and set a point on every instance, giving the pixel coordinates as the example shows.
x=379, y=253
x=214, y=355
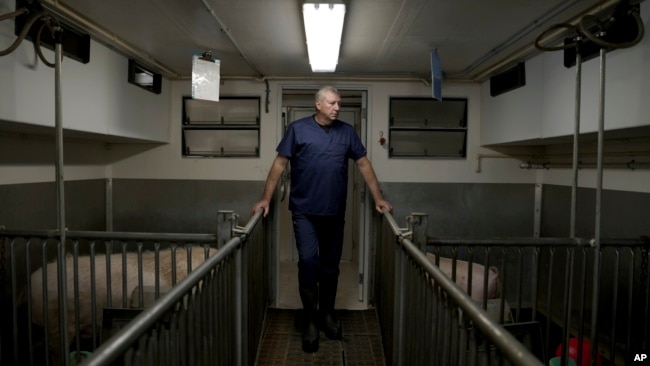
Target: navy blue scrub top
x=319, y=165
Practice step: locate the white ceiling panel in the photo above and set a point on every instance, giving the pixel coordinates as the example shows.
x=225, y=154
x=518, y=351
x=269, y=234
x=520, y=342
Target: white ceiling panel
x=264, y=38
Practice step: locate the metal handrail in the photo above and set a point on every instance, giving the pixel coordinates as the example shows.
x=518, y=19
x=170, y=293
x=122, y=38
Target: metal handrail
x=120, y=342
x=536, y=242
x=504, y=340
x=90, y=235
x=125, y=337
x=511, y=348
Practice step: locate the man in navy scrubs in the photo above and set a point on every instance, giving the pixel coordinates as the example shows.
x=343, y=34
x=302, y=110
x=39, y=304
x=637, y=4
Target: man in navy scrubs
x=319, y=147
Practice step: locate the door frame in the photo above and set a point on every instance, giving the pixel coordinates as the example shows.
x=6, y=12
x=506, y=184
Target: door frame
x=364, y=213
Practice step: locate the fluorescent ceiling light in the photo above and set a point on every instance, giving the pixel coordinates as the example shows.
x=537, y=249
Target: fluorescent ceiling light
x=323, y=28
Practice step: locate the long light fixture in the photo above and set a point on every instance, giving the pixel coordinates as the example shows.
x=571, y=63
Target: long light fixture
x=323, y=28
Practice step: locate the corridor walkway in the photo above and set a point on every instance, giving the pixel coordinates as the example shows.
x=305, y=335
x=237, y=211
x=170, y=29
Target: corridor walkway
x=282, y=341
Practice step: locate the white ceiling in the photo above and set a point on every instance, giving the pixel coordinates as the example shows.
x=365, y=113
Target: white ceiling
x=381, y=38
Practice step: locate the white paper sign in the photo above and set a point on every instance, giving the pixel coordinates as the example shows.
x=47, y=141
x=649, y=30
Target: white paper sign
x=205, y=78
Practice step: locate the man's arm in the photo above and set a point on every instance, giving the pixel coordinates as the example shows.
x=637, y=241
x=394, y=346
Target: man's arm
x=278, y=166
x=368, y=173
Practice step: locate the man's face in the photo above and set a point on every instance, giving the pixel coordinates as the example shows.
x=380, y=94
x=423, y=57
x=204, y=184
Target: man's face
x=329, y=106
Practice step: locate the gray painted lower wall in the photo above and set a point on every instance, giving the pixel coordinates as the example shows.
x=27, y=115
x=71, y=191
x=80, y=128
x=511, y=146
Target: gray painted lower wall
x=507, y=210
x=138, y=204
x=466, y=209
x=188, y=206
x=33, y=206
x=454, y=209
x=623, y=214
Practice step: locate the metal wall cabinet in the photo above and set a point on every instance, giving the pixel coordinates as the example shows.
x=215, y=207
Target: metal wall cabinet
x=227, y=128
x=427, y=128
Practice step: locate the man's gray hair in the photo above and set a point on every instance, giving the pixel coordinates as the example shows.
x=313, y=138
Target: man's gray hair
x=320, y=94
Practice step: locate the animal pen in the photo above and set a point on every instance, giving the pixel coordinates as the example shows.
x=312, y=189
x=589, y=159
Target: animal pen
x=552, y=291
x=216, y=315
x=213, y=315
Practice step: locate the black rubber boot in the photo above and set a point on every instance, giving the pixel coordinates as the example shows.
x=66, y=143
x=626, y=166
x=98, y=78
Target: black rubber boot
x=311, y=335
x=329, y=322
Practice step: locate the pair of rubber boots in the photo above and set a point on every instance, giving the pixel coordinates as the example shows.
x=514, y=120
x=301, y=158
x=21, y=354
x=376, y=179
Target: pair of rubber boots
x=319, y=319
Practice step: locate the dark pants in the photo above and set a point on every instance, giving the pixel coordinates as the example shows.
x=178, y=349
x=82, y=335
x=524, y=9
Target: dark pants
x=319, y=240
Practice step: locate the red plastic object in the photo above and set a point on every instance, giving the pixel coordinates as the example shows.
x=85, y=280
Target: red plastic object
x=573, y=352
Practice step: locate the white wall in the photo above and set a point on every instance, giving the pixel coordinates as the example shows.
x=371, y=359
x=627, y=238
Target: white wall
x=616, y=179
x=545, y=107
x=96, y=98
x=165, y=162
x=517, y=114
x=30, y=159
x=627, y=79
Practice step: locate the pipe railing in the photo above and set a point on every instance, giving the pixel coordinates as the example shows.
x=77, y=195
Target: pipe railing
x=426, y=318
x=544, y=289
x=196, y=300
x=547, y=281
x=215, y=314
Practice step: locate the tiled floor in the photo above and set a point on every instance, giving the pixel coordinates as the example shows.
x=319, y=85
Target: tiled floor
x=282, y=341
x=282, y=338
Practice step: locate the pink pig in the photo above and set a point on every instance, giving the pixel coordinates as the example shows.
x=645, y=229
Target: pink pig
x=101, y=287
x=478, y=276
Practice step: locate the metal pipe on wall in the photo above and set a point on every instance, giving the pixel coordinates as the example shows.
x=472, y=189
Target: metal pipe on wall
x=599, y=188
x=60, y=196
x=576, y=135
x=568, y=293
x=108, y=194
x=632, y=165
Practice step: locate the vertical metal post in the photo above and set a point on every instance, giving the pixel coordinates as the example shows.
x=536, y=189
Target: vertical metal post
x=568, y=299
x=599, y=188
x=418, y=224
x=239, y=312
x=109, y=204
x=644, y=344
x=537, y=214
x=576, y=133
x=568, y=290
x=60, y=197
x=227, y=221
x=613, y=315
x=398, y=311
x=243, y=299
x=14, y=291
x=224, y=227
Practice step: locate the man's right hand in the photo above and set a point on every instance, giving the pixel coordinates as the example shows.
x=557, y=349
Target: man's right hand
x=263, y=204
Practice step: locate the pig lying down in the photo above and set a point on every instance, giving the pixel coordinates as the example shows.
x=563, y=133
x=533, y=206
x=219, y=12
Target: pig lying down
x=478, y=277
x=492, y=291
x=118, y=296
